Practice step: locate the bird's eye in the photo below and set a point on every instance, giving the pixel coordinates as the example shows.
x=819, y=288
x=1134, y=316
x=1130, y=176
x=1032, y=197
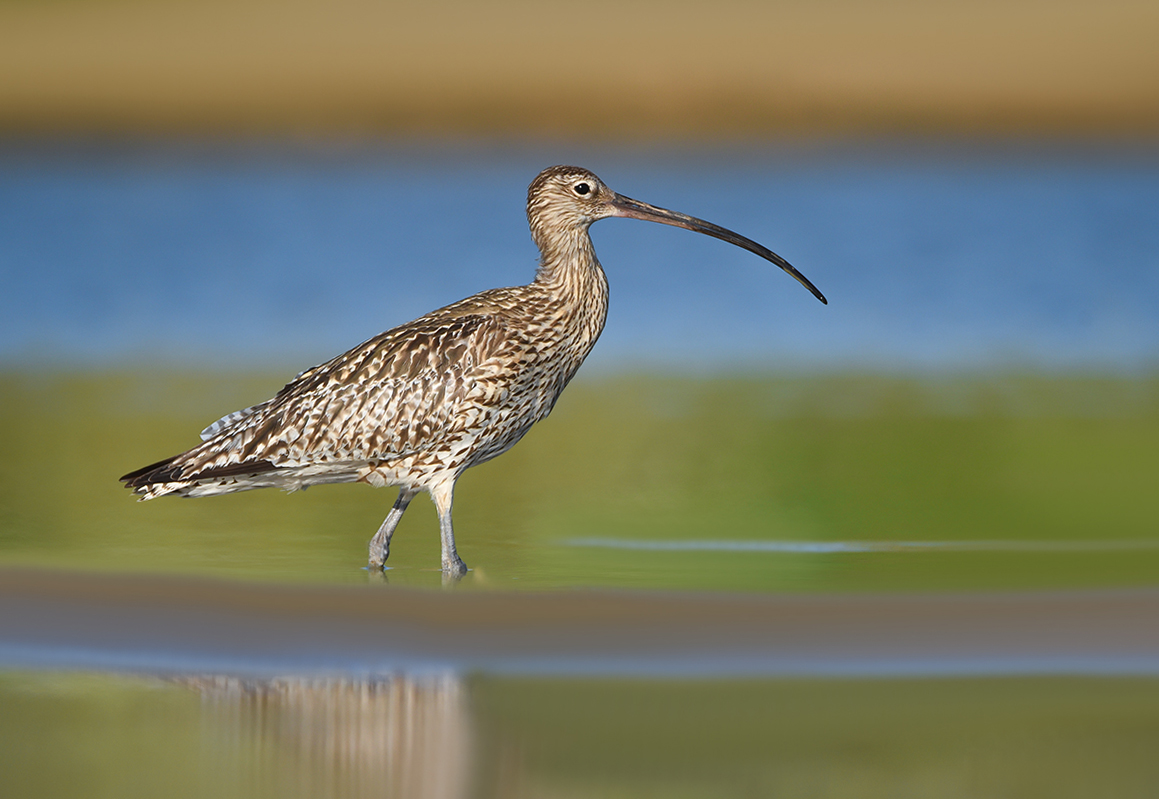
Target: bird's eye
x=581, y=188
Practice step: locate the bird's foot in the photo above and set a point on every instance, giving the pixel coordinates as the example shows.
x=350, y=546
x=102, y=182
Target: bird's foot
x=454, y=567
x=379, y=552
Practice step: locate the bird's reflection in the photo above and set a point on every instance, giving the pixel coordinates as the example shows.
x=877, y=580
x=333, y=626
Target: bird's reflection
x=385, y=737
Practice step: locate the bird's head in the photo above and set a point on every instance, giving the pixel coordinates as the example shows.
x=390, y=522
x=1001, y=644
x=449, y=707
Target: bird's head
x=566, y=200
x=564, y=197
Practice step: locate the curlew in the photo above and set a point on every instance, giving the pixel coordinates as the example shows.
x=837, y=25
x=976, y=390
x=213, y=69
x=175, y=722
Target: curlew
x=417, y=405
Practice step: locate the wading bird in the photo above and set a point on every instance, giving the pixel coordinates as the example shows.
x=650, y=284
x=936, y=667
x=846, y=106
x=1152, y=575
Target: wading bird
x=417, y=405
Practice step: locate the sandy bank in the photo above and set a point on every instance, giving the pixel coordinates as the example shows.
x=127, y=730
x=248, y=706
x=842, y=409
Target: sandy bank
x=605, y=70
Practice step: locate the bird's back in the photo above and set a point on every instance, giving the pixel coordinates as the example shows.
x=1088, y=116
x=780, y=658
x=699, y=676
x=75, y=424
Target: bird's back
x=427, y=399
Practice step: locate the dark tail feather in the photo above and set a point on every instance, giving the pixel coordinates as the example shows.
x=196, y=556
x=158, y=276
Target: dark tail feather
x=159, y=472
x=165, y=472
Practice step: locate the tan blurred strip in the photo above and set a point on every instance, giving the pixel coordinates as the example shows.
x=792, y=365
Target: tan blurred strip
x=79, y=620
x=597, y=69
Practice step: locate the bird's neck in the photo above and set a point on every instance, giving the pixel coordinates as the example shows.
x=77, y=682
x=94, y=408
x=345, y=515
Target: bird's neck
x=568, y=263
x=571, y=274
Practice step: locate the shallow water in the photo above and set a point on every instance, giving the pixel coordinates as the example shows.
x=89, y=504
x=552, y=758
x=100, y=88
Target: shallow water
x=770, y=483
x=827, y=486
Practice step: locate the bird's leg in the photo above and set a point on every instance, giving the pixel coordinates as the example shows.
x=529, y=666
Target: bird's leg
x=380, y=544
x=443, y=496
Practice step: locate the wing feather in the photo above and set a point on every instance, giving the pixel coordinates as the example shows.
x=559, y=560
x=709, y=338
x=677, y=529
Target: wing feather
x=397, y=394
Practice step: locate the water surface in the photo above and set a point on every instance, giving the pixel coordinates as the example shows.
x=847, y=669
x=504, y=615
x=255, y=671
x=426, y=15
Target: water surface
x=753, y=483
x=439, y=737
x=931, y=257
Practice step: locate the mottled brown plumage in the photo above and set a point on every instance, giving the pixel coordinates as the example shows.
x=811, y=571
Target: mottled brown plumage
x=417, y=405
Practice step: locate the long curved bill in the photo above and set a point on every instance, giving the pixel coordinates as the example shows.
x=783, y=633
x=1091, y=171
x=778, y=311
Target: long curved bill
x=634, y=209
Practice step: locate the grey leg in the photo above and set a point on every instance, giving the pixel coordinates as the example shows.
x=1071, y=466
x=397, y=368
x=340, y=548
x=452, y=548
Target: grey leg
x=380, y=544
x=443, y=496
